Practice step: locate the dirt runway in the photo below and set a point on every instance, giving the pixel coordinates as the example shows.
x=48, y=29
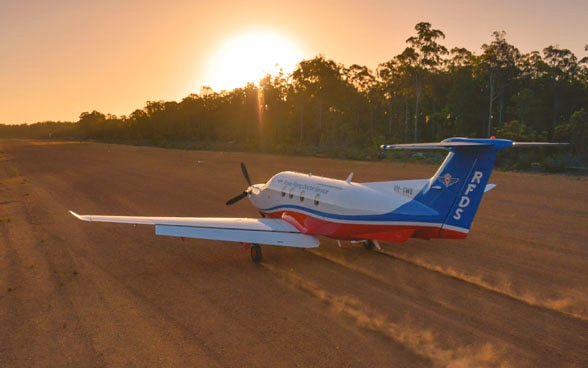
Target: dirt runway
x=77, y=294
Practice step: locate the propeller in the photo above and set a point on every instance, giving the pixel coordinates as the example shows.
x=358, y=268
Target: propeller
x=245, y=174
x=245, y=192
x=237, y=198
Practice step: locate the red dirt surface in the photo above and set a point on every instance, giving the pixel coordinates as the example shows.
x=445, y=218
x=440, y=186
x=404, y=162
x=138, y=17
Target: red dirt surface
x=77, y=294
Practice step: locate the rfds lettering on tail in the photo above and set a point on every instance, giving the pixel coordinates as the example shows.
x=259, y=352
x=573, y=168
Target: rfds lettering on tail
x=299, y=208
x=465, y=199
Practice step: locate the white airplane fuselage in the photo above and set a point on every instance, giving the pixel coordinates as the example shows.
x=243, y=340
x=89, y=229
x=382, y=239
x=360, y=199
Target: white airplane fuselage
x=342, y=209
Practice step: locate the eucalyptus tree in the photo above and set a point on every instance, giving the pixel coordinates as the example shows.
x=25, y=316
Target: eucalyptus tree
x=562, y=69
x=316, y=83
x=363, y=98
x=500, y=62
x=273, y=109
x=424, y=56
x=92, y=125
x=397, y=88
x=529, y=102
x=462, y=93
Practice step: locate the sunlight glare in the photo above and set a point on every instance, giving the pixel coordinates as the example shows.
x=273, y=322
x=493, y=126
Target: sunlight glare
x=248, y=57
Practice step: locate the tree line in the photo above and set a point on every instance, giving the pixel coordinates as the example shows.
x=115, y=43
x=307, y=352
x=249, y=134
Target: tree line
x=426, y=93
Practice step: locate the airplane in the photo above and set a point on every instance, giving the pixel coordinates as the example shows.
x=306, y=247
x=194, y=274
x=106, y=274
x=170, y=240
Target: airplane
x=297, y=208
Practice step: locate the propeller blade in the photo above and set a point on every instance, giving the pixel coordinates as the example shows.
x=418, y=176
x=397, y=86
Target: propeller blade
x=245, y=174
x=237, y=198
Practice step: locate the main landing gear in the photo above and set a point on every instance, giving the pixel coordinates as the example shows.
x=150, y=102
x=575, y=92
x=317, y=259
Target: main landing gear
x=255, y=250
x=256, y=255
x=371, y=244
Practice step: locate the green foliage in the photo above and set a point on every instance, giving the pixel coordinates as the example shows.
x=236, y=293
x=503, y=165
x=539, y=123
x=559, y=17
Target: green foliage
x=325, y=108
x=516, y=131
x=576, y=133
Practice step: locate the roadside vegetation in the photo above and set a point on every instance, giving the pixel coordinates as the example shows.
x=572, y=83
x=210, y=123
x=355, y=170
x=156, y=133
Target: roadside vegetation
x=426, y=93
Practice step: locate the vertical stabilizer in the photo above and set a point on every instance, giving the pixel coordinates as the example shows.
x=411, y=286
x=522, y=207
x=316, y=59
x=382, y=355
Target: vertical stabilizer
x=456, y=189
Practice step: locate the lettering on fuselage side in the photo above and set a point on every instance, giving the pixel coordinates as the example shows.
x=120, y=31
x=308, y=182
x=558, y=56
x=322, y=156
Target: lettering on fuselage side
x=302, y=186
x=464, y=201
x=403, y=190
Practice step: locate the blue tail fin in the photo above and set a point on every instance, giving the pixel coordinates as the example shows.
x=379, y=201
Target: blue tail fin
x=456, y=189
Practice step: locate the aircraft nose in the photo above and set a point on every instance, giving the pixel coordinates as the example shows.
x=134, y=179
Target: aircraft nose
x=255, y=190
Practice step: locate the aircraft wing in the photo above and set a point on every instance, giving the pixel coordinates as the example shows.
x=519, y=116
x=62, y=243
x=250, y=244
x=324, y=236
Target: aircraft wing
x=244, y=230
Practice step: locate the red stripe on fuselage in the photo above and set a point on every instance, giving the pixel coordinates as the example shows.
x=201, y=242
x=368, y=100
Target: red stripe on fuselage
x=307, y=224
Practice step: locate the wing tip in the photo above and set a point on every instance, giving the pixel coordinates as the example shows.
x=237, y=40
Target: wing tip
x=79, y=217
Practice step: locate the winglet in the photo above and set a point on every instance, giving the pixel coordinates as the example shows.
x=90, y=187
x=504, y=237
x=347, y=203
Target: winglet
x=79, y=217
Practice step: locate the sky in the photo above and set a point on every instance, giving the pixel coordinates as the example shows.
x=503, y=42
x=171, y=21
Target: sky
x=63, y=57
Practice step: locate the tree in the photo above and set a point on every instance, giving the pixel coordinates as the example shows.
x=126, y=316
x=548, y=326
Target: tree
x=575, y=132
x=424, y=56
x=92, y=125
x=463, y=102
x=364, y=83
x=316, y=83
x=500, y=60
x=397, y=76
x=562, y=70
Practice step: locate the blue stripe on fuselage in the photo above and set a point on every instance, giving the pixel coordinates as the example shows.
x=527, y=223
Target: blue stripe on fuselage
x=410, y=212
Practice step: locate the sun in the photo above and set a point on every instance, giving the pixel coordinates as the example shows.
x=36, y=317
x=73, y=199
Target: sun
x=249, y=56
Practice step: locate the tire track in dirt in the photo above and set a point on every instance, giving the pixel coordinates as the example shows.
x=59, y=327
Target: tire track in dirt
x=565, y=306
x=561, y=306
x=449, y=303
x=424, y=343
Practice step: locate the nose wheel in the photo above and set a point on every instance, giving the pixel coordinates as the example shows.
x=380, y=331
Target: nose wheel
x=256, y=255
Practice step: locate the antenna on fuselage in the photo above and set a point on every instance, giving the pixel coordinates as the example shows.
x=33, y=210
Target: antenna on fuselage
x=348, y=180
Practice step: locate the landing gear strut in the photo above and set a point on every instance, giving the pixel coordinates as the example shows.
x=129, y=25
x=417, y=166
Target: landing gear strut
x=369, y=244
x=256, y=255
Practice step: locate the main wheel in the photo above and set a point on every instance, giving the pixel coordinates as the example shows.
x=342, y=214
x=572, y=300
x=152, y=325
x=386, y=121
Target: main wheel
x=369, y=244
x=256, y=253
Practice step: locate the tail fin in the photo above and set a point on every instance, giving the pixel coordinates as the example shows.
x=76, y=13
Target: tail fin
x=456, y=189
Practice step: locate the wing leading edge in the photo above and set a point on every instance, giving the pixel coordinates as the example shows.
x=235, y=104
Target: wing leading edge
x=245, y=230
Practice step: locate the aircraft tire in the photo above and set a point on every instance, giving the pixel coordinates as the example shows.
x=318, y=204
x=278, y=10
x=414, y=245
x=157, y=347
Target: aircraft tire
x=369, y=245
x=256, y=254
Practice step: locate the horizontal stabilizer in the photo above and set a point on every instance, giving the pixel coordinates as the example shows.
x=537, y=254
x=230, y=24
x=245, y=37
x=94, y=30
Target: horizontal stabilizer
x=452, y=143
x=439, y=145
x=537, y=144
x=457, y=143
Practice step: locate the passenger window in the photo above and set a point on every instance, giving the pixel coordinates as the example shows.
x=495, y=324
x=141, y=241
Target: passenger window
x=317, y=199
x=284, y=191
x=302, y=196
x=291, y=195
